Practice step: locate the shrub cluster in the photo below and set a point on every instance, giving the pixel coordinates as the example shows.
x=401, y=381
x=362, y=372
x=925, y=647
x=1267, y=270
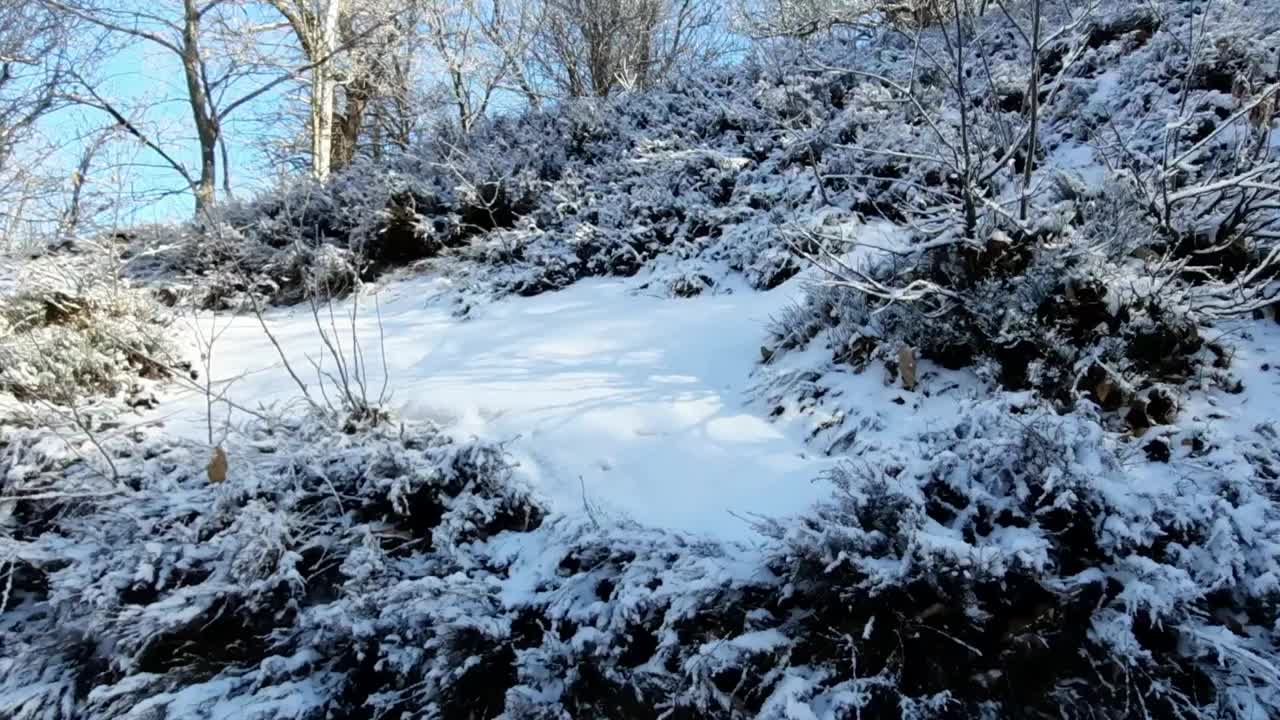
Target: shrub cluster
x=695, y=173
x=74, y=328
x=1101, y=280
x=1014, y=567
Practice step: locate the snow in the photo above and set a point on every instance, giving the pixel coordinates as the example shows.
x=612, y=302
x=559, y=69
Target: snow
x=619, y=403
x=605, y=396
x=1078, y=159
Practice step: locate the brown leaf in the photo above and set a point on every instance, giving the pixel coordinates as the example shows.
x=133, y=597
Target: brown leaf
x=907, y=367
x=1103, y=390
x=218, y=466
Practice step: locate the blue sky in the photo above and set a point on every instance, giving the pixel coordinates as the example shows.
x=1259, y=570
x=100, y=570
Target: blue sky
x=146, y=82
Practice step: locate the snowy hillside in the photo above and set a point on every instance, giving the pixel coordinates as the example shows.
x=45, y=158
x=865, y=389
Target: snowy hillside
x=824, y=386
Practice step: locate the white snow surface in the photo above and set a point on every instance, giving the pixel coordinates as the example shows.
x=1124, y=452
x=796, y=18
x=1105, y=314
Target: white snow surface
x=612, y=401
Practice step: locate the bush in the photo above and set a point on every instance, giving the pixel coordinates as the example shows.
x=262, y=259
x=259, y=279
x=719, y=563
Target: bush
x=1107, y=288
x=1001, y=565
x=74, y=329
x=185, y=585
x=1015, y=565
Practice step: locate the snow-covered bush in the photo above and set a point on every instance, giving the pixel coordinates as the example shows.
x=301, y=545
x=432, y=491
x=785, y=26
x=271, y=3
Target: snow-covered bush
x=1107, y=288
x=216, y=265
x=696, y=169
x=120, y=601
x=1014, y=566
x=1058, y=317
x=74, y=328
x=1019, y=562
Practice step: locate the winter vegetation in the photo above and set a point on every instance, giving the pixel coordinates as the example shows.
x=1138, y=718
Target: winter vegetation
x=799, y=360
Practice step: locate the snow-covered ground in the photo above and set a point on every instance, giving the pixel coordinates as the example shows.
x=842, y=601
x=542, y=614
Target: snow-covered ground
x=607, y=397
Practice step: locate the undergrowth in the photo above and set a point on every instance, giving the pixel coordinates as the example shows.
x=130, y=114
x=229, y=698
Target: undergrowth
x=74, y=328
x=1016, y=568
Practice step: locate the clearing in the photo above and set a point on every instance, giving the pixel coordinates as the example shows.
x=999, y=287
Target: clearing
x=634, y=405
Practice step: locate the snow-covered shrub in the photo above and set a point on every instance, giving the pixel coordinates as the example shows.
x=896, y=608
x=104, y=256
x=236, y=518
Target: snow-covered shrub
x=1060, y=318
x=1017, y=565
x=74, y=328
x=172, y=591
x=1012, y=567
x=269, y=252
x=1007, y=563
x=696, y=169
x=1108, y=287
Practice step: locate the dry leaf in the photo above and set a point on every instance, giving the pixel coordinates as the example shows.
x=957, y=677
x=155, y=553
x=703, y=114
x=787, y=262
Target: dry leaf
x=1103, y=390
x=907, y=367
x=218, y=466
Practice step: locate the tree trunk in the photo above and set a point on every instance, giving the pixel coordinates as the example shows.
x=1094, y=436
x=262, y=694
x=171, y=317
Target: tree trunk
x=206, y=190
x=962, y=99
x=206, y=124
x=347, y=126
x=322, y=99
x=324, y=91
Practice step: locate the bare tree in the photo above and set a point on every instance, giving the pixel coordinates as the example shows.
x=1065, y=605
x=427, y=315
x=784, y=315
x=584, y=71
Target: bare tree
x=36, y=57
x=591, y=47
x=479, y=48
x=376, y=99
x=394, y=113
x=380, y=102
x=359, y=32
x=34, y=62
x=316, y=25
x=510, y=27
x=976, y=150
x=216, y=83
